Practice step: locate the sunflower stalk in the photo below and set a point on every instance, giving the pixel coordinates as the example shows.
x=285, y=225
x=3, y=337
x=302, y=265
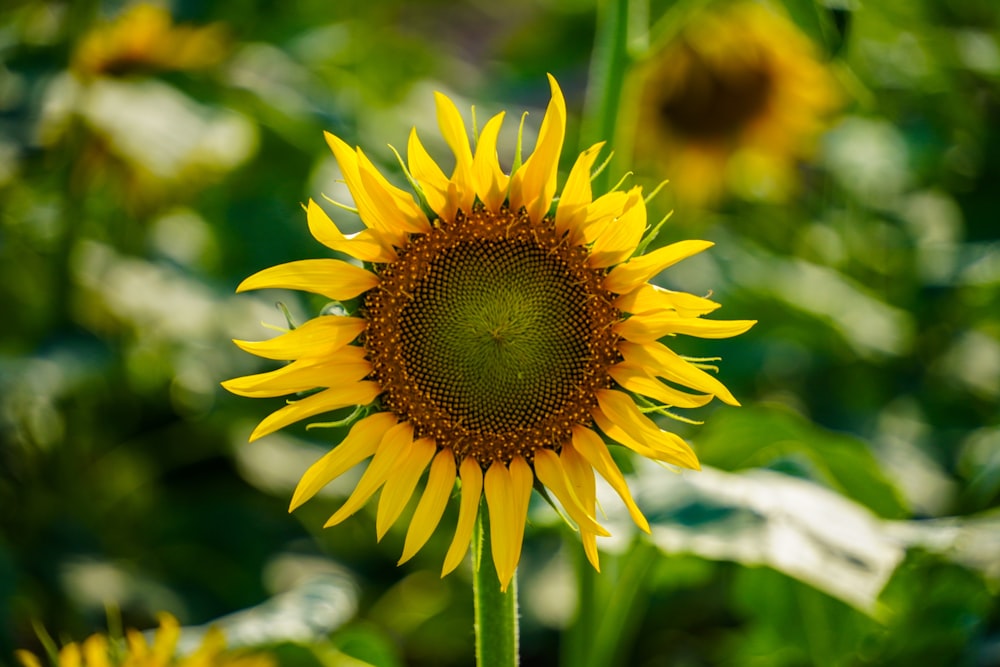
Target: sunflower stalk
x=607, y=78
x=495, y=610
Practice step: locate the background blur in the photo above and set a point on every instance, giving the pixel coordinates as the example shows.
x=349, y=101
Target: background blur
x=844, y=157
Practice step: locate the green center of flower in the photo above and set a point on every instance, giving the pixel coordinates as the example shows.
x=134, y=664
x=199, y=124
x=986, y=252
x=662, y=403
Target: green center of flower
x=496, y=334
x=491, y=335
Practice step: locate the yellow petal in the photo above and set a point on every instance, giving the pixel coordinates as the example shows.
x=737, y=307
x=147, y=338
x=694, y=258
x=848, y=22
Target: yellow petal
x=318, y=337
x=346, y=365
x=95, y=651
x=581, y=477
x=590, y=446
x=472, y=490
x=454, y=133
x=577, y=194
x=334, y=398
x=490, y=181
x=432, y=180
x=138, y=648
x=619, y=238
x=333, y=278
x=619, y=417
x=361, y=442
x=395, y=444
x=632, y=274
x=660, y=360
x=427, y=516
x=70, y=656
x=371, y=211
x=651, y=298
x=635, y=379
x=367, y=245
x=165, y=639
x=651, y=326
x=534, y=185
x=27, y=659
x=599, y=215
x=394, y=205
x=212, y=644
x=550, y=472
x=401, y=484
x=507, y=493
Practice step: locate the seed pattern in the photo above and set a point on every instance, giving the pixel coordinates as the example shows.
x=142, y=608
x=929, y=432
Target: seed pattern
x=491, y=334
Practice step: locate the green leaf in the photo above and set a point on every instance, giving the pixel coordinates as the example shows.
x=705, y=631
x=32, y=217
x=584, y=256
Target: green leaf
x=775, y=437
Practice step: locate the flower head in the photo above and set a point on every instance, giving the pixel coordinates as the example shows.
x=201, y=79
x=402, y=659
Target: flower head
x=143, y=39
x=731, y=103
x=495, y=339
x=98, y=651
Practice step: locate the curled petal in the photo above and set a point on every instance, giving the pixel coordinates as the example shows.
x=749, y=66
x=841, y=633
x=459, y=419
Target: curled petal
x=366, y=246
x=395, y=205
x=332, y=278
x=370, y=210
x=318, y=337
x=550, y=471
x=620, y=237
x=600, y=214
x=534, y=185
x=347, y=365
x=618, y=416
x=590, y=446
x=635, y=379
x=634, y=273
x=334, y=398
x=663, y=362
x=580, y=475
x=577, y=194
x=651, y=298
x=651, y=326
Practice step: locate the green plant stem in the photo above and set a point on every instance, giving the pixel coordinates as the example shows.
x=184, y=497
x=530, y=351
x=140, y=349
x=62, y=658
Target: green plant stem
x=496, y=610
x=606, y=79
x=611, y=605
x=578, y=637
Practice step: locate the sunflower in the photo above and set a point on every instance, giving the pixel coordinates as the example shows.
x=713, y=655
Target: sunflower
x=98, y=651
x=494, y=340
x=733, y=101
x=144, y=39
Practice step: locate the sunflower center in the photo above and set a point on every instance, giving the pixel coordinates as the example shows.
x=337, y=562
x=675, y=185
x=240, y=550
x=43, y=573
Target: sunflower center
x=491, y=335
x=713, y=103
x=496, y=334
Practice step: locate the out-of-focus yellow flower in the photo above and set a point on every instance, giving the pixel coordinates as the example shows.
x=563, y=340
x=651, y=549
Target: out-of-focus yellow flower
x=733, y=102
x=144, y=38
x=99, y=651
x=500, y=329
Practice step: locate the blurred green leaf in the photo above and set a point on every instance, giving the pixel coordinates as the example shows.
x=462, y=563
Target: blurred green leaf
x=761, y=517
x=776, y=437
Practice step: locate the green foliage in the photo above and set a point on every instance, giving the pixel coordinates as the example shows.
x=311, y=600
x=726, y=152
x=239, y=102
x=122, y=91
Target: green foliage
x=777, y=438
x=846, y=515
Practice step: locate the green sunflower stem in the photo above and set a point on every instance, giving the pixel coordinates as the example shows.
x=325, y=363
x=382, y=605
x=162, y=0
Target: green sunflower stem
x=608, y=67
x=496, y=610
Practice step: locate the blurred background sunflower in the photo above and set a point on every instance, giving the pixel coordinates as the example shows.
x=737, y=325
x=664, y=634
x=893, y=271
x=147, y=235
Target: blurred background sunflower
x=732, y=101
x=846, y=514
